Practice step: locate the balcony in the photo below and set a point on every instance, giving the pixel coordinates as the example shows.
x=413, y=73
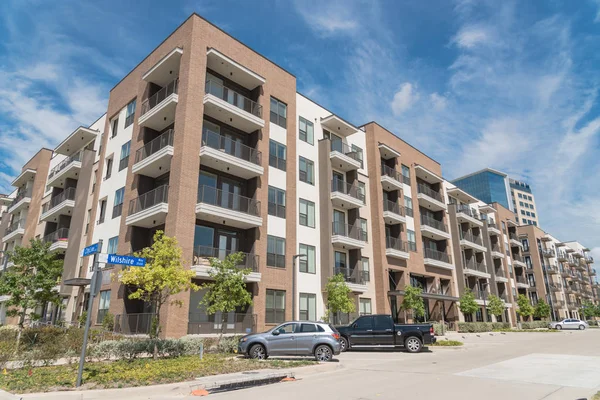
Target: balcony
x=429, y=198
x=562, y=256
x=158, y=111
x=59, y=240
x=234, y=109
x=21, y=201
x=346, y=196
x=154, y=159
x=565, y=273
x=77, y=140
x=226, y=208
x=497, y=251
x=592, y=272
x=466, y=214
x=150, y=209
x=396, y=248
x=69, y=168
x=203, y=254
x=343, y=157
x=555, y=287
x=589, y=259
x=337, y=125
x=522, y=282
x=493, y=229
x=393, y=213
x=518, y=261
x=230, y=156
x=355, y=279
x=434, y=229
x=500, y=275
x=225, y=66
x=551, y=269
x=14, y=230
x=391, y=179
x=558, y=303
x=24, y=177
x=476, y=268
x=573, y=263
x=348, y=236
x=435, y=258
x=62, y=204
x=165, y=70
x=467, y=239
x=549, y=253
x=514, y=240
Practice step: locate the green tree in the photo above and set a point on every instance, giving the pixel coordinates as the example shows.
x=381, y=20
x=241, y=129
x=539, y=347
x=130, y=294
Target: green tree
x=338, y=297
x=542, y=310
x=31, y=280
x=162, y=277
x=588, y=309
x=525, y=309
x=467, y=303
x=413, y=301
x=495, y=305
x=226, y=291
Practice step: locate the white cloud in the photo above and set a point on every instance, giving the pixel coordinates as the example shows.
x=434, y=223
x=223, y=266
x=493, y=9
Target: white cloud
x=438, y=101
x=329, y=17
x=404, y=98
x=471, y=36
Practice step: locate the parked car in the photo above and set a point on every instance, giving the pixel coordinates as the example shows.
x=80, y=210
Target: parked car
x=293, y=339
x=569, y=323
x=380, y=331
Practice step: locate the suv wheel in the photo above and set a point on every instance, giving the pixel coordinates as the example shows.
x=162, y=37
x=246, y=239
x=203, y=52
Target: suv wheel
x=581, y=327
x=323, y=353
x=413, y=344
x=558, y=327
x=343, y=344
x=258, y=352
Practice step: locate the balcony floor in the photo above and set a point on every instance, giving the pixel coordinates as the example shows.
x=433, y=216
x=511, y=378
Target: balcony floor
x=161, y=115
x=231, y=115
x=150, y=217
x=225, y=216
x=229, y=164
x=69, y=172
x=156, y=164
x=346, y=242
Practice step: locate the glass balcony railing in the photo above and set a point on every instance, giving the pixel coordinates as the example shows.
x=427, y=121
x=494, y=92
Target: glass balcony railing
x=160, y=142
x=434, y=223
x=59, y=235
x=393, y=207
x=341, y=147
x=355, y=275
x=158, y=97
x=395, y=244
x=427, y=191
x=20, y=224
x=249, y=260
x=20, y=196
x=338, y=185
x=232, y=147
x=67, y=194
x=468, y=236
x=438, y=255
x=64, y=164
x=231, y=201
x=233, y=98
x=149, y=199
x=392, y=173
x=349, y=231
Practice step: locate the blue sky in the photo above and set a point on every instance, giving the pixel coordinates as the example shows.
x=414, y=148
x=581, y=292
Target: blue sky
x=511, y=85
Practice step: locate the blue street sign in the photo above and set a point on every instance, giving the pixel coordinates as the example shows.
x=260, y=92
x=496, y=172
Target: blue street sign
x=126, y=260
x=92, y=249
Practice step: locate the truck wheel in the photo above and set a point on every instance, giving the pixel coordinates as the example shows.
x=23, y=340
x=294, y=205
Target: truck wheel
x=413, y=344
x=343, y=344
x=258, y=352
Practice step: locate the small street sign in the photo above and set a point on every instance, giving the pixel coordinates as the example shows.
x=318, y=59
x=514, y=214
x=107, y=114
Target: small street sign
x=126, y=260
x=92, y=249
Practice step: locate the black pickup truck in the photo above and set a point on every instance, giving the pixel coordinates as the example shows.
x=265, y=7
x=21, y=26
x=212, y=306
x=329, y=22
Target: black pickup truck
x=380, y=331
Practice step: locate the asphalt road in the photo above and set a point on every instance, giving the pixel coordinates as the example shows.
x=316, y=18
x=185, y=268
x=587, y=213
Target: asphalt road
x=549, y=366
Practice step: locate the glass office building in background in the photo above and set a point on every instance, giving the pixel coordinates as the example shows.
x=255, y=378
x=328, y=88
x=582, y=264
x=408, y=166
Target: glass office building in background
x=487, y=185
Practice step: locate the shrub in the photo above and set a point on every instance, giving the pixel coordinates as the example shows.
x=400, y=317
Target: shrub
x=473, y=327
x=82, y=319
x=447, y=343
x=228, y=344
x=7, y=351
x=592, y=322
x=191, y=345
x=439, y=329
x=534, y=324
x=108, y=322
x=500, y=325
x=45, y=344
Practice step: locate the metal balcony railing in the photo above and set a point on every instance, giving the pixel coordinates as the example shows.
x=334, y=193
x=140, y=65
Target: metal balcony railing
x=356, y=276
x=551, y=269
x=426, y=190
x=64, y=164
x=468, y=236
x=158, y=97
x=230, y=323
x=434, y=223
x=232, y=147
x=514, y=236
x=338, y=185
x=393, y=207
x=133, y=324
x=20, y=196
x=493, y=225
x=160, y=142
x=395, y=243
x=522, y=279
x=61, y=234
x=461, y=208
x=392, y=173
x=249, y=260
x=476, y=266
x=349, y=231
x=499, y=272
x=20, y=224
x=548, y=252
x=67, y=194
x=234, y=98
x=149, y=199
x=341, y=147
x=438, y=255
x=496, y=248
x=231, y=201
x=517, y=257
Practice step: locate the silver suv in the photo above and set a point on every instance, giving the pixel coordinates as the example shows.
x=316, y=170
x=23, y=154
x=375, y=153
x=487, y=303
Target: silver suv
x=293, y=339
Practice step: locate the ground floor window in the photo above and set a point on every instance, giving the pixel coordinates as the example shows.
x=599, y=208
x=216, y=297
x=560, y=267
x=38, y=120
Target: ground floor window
x=308, y=307
x=275, y=312
x=364, y=306
x=103, y=305
x=479, y=316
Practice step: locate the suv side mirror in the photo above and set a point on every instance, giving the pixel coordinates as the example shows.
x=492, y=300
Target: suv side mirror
x=354, y=326
x=275, y=333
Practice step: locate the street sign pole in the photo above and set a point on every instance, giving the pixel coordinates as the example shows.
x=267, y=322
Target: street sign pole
x=93, y=290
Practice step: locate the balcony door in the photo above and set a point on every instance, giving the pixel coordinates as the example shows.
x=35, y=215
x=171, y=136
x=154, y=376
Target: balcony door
x=340, y=263
x=231, y=192
x=339, y=223
x=227, y=243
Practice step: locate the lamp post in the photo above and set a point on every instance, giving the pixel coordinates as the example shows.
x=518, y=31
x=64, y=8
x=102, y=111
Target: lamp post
x=294, y=284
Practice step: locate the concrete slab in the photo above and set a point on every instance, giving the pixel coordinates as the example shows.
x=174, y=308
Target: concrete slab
x=549, y=369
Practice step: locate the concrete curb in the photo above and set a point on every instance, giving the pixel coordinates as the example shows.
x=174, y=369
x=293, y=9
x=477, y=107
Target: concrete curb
x=7, y=396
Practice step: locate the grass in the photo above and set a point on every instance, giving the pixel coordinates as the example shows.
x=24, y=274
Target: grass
x=447, y=343
x=527, y=330
x=141, y=372
x=596, y=396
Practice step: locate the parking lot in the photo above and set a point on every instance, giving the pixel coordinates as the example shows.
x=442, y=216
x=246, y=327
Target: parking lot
x=563, y=365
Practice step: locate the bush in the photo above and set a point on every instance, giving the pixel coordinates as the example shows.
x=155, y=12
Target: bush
x=592, y=322
x=82, y=319
x=439, y=329
x=45, y=344
x=534, y=324
x=191, y=345
x=447, y=343
x=474, y=327
x=228, y=344
x=108, y=322
x=500, y=325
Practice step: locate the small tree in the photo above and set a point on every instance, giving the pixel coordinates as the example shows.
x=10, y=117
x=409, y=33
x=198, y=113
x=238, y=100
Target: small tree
x=338, y=297
x=542, y=310
x=31, y=281
x=413, y=301
x=525, y=309
x=468, y=305
x=495, y=305
x=588, y=309
x=227, y=290
x=162, y=277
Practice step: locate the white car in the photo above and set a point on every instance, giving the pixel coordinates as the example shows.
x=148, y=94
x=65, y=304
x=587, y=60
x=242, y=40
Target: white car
x=569, y=323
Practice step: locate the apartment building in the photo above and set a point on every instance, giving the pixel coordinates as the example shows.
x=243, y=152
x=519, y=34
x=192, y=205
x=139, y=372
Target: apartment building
x=523, y=203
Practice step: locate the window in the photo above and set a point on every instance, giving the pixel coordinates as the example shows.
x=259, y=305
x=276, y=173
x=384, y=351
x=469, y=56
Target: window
x=364, y=269
x=528, y=213
x=308, y=307
x=275, y=252
x=362, y=191
x=109, y=163
x=520, y=195
x=534, y=223
x=103, y=305
x=307, y=213
x=124, y=161
x=276, y=202
x=113, y=243
x=288, y=328
x=130, y=113
x=406, y=174
x=114, y=127
x=412, y=242
x=102, y=211
x=306, y=129
x=277, y=155
x=531, y=206
x=307, y=264
x=94, y=181
x=522, y=212
x=533, y=214
x=364, y=306
x=529, y=198
x=364, y=323
x=521, y=203
x=359, y=153
x=275, y=312
x=503, y=226
x=363, y=226
x=278, y=112
x=307, y=171
x=408, y=206
x=118, y=206
x=528, y=262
